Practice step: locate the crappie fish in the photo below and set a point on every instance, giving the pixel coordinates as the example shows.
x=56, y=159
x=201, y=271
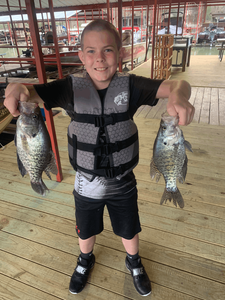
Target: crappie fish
x=170, y=159
x=34, y=152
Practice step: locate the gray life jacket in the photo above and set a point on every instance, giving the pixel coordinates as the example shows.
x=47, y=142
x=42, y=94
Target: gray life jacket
x=89, y=116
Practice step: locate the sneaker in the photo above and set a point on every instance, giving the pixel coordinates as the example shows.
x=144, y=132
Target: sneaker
x=140, y=278
x=80, y=274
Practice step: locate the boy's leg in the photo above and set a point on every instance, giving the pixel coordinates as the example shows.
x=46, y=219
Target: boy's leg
x=131, y=246
x=85, y=263
x=89, y=223
x=134, y=265
x=86, y=246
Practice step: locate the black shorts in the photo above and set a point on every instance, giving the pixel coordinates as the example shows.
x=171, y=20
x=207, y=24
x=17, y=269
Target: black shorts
x=123, y=212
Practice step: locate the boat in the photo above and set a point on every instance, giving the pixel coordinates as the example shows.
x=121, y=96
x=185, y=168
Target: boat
x=5, y=118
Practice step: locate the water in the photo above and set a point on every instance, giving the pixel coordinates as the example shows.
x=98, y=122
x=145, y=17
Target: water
x=196, y=50
x=10, y=52
x=204, y=50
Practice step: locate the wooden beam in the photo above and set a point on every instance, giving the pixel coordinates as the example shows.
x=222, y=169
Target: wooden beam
x=42, y=78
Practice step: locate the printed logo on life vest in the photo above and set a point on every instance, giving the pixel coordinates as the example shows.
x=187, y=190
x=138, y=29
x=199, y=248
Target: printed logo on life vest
x=121, y=99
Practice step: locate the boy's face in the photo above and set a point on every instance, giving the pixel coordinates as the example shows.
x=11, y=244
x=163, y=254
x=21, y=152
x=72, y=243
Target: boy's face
x=100, y=57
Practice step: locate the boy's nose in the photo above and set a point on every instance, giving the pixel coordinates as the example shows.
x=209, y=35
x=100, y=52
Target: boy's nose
x=100, y=57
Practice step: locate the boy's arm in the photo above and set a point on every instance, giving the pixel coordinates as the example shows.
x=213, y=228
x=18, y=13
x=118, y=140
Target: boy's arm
x=178, y=94
x=16, y=92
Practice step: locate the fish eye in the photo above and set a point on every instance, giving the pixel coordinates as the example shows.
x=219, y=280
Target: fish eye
x=164, y=127
x=34, y=116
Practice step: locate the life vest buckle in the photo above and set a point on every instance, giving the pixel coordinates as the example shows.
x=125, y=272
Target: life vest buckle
x=99, y=121
x=102, y=121
x=109, y=173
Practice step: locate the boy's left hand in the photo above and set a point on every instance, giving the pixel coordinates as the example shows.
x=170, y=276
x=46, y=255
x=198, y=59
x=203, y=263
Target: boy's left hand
x=178, y=93
x=181, y=107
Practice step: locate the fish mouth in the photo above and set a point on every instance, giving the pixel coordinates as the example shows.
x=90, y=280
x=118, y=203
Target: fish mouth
x=170, y=120
x=172, y=138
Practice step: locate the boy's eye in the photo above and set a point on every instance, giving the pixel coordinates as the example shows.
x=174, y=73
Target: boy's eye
x=108, y=50
x=90, y=51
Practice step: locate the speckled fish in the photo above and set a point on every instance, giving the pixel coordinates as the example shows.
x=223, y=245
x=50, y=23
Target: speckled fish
x=34, y=152
x=170, y=159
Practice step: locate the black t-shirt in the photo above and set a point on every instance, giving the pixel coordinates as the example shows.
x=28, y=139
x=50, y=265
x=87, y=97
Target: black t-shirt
x=59, y=93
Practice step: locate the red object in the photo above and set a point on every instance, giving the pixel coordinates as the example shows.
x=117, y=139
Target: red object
x=43, y=79
x=136, y=28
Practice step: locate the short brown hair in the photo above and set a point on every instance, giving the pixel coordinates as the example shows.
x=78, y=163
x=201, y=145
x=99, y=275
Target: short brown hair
x=101, y=25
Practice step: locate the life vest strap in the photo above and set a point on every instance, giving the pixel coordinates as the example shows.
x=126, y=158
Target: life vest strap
x=105, y=149
x=111, y=172
x=101, y=120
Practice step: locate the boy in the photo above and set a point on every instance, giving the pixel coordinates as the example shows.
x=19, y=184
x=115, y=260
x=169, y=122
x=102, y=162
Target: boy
x=103, y=141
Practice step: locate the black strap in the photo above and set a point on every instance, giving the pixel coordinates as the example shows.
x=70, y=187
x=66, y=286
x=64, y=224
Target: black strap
x=112, y=172
x=101, y=121
x=106, y=149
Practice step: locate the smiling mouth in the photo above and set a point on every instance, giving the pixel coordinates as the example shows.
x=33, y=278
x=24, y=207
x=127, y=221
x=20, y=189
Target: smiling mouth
x=101, y=69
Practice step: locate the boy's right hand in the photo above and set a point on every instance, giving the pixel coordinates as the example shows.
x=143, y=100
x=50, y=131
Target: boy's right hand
x=14, y=93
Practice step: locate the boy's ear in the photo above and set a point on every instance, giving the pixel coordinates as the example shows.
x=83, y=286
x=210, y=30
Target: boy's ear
x=81, y=55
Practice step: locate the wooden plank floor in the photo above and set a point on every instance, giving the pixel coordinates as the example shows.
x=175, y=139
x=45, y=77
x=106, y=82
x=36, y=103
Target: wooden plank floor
x=204, y=71
x=183, y=250
x=209, y=106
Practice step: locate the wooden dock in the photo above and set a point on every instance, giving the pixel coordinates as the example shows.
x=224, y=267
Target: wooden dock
x=209, y=106
x=183, y=250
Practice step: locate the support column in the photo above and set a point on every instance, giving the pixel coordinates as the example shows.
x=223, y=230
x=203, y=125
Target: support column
x=147, y=36
x=24, y=27
x=120, y=26
x=183, y=18
x=50, y=3
x=108, y=11
x=14, y=32
x=42, y=79
x=132, y=32
x=178, y=12
x=168, y=27
x=153, y=38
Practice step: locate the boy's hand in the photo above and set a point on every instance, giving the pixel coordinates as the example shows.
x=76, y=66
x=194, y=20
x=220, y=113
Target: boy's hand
x=178, y=93
x=14, y=93
x=180, y=106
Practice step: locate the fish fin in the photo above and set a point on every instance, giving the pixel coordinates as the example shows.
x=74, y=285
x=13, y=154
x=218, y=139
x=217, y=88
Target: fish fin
x=175, y=196
x=21, y=167
x=47, y=173
x=183, y=174
x=39, y=187
x=184, y=169
x=154, y=172
x=51, y=167
x=188, y=146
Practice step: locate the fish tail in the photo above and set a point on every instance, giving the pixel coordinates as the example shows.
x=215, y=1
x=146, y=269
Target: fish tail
x=39, y=187
x=175, y=196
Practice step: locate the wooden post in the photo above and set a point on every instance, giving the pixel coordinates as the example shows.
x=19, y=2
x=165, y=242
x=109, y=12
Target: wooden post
x=108, y=11
x=147, y=36
x=42, y=79
x=199, y=8
x=24, y=27
x=153, y=38
x=14, y=32
x=42, y=16
x=178, y=12
x=183, y=18
x=55, y=39
x=168, y=27
x=67, y=31
x=132, y=32
x=120, y=27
